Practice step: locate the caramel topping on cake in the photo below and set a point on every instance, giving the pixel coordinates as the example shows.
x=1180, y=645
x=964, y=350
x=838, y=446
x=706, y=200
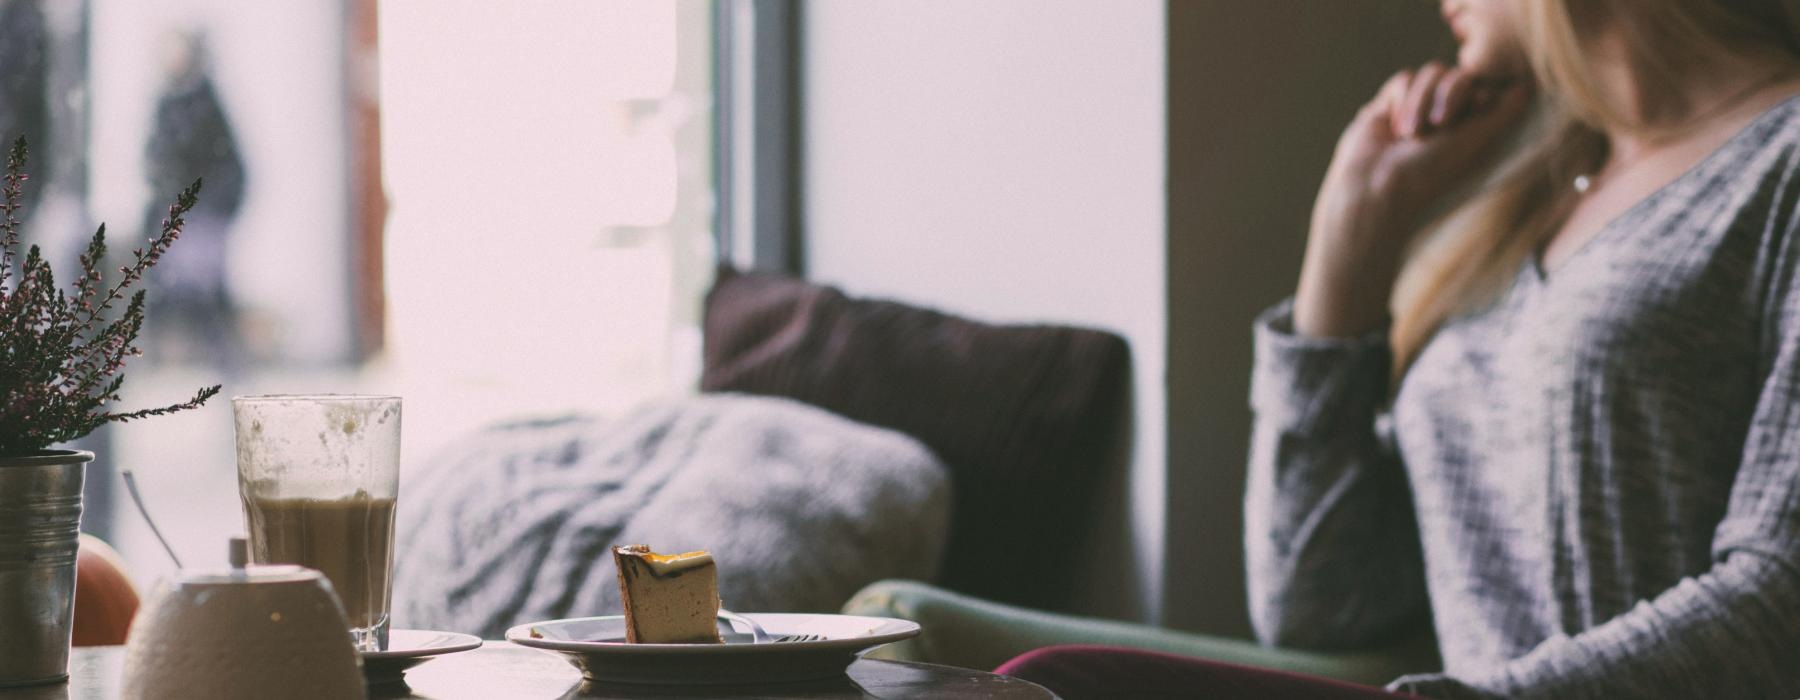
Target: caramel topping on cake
x=666, y=564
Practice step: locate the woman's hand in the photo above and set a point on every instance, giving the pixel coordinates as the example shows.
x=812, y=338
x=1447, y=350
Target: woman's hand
x=1424, y=132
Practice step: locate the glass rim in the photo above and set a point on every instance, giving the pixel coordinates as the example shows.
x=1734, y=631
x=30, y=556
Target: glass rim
x=314, y=398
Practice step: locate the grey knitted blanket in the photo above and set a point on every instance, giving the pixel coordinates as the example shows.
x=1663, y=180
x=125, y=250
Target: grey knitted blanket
x=800, y=508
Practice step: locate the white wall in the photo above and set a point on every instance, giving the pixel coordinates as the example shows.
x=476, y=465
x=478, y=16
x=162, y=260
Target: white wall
x=1005, y=160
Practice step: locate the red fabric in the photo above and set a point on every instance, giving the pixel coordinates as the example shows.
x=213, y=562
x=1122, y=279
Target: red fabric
x=1085, y=671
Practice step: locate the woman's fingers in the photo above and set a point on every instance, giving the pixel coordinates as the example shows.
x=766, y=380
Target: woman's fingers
x=1393, y=99
x=1450, y=101
x=1482, y=128
x=1378, y=113
x=1393, y=90
x=1432, y=102
x=1410, y=114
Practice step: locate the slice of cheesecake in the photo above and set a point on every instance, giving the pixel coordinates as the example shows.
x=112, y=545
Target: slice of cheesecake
x=669, y=598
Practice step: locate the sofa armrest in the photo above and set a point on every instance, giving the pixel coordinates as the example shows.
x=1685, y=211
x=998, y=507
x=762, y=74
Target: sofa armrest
x=969, y=632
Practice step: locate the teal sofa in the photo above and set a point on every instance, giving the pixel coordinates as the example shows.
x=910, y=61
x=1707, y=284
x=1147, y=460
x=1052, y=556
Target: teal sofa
x=972, y=633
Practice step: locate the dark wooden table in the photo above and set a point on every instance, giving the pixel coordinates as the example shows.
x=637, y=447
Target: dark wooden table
x=499, y=670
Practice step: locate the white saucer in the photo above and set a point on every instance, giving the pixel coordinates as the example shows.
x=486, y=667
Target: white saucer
x=597, y=646
x=409, y=648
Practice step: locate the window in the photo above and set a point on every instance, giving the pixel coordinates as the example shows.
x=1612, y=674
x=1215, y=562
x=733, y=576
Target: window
x=550, y=168
x=490, y=212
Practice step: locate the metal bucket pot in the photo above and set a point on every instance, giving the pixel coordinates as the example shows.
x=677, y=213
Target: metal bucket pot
x=40, y=522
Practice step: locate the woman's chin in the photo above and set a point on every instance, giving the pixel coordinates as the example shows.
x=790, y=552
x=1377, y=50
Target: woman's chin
x=1479, y=58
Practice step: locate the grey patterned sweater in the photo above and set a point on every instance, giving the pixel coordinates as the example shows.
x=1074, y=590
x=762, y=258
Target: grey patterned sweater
x=1592, y=487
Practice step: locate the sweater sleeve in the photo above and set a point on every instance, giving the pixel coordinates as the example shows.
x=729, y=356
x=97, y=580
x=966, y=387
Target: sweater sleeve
x=1331, y=544
x=1732, y=631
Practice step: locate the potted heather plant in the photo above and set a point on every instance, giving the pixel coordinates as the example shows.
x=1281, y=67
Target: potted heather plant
x=62, y=354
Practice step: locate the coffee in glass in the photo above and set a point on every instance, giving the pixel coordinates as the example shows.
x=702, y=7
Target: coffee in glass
x=319, y=475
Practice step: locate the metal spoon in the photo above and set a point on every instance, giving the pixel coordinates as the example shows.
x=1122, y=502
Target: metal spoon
x=138, y=500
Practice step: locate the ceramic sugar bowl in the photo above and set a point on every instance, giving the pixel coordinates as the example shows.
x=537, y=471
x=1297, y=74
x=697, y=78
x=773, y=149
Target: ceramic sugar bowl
x=271, y=632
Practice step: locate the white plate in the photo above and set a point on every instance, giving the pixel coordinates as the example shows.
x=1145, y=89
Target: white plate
x=409, y=648
x=597, y=646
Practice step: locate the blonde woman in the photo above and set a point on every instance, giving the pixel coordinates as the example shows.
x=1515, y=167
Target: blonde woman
x=1563, y=426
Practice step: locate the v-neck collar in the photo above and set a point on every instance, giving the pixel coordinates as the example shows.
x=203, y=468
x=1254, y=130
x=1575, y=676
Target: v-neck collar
x=1535, y=261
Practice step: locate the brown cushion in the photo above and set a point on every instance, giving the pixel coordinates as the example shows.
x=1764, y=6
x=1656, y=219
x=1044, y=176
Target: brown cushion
x=1024, y=416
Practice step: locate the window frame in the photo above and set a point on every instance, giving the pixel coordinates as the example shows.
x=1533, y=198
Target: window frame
x=757, y=134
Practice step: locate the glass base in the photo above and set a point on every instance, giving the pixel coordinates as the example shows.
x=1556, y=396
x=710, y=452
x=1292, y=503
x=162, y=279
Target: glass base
x=368, y=639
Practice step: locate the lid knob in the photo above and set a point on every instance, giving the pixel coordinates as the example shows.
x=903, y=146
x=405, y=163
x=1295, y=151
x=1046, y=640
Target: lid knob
x=240, y=553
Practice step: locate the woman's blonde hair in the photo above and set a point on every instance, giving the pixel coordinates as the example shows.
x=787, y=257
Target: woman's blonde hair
x=1471, y=255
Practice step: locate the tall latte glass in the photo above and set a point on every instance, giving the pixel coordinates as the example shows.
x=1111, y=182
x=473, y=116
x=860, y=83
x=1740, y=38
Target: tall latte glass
x=319, y=475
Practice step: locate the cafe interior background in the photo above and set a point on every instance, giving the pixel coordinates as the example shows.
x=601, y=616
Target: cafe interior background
x=499, y=212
